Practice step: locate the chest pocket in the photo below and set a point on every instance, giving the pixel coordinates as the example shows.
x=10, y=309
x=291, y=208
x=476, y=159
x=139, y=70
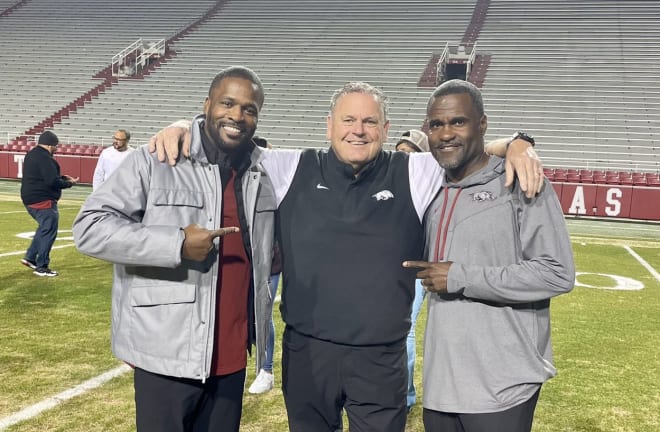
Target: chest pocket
x=266, y=202
x=175, y=207
x=492, y=228
x=170, y=197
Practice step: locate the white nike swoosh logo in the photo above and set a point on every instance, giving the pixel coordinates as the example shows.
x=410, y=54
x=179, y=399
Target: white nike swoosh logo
x=320, y=186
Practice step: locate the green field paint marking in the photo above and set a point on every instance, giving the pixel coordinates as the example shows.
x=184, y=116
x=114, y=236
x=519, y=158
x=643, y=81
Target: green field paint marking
x=621, y=283
x=644, y=264
x=50, y=403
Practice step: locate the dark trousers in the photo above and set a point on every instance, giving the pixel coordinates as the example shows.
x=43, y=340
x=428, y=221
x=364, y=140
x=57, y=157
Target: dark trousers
x=44, y=237
x=168, y=404
x=319, y=378
x=516, y=419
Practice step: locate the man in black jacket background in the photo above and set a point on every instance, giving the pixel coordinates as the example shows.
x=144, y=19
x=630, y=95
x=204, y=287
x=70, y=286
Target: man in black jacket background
x=41, y=188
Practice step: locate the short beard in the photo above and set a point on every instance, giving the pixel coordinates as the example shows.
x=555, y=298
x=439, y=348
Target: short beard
x=214, y=136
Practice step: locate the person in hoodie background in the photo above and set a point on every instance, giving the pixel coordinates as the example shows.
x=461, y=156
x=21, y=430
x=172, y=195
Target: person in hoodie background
x=495, y=259
x=413, y=141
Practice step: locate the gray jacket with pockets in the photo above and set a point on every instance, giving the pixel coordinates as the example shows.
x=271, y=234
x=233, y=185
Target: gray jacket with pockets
x=162, y=305
x=487, y=343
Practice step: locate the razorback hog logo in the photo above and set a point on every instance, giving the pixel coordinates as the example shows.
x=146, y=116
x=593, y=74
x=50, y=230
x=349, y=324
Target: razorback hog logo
x=383, y=195
x=483, y=196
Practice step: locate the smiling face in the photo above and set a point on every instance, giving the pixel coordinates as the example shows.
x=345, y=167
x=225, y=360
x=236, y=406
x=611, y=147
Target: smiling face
x=456, y=134
x=357, y=129
x=232, y=112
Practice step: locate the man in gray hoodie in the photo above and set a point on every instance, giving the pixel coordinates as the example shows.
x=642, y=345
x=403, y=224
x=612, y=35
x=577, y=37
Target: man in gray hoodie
x=495, y=259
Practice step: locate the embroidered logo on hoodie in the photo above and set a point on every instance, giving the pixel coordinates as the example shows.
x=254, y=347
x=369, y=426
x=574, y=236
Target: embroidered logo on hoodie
x=383, y=195
x=482, y=196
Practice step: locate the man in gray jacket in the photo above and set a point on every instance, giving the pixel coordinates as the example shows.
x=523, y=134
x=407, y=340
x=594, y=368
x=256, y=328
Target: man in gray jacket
x=495, y=258
x=192, y=247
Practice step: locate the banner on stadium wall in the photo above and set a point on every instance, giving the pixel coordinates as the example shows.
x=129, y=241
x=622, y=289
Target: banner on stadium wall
x=601, y=200
x=577, y=199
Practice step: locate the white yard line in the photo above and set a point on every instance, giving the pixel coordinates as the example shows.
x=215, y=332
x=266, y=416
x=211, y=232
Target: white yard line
x=52, y=402
x=643, y=262
x=23, y=252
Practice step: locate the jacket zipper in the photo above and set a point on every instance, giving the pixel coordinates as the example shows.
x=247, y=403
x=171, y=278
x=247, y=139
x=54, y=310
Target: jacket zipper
x=440, y=253
x=210, y=341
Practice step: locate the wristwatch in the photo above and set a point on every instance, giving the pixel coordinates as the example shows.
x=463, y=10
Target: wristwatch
x=523, y=136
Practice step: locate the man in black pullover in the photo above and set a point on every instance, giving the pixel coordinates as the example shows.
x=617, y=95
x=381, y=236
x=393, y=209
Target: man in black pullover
x=41, y=188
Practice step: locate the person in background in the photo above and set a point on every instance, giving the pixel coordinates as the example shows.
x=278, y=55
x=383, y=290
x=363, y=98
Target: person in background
x=41, y=188
x=413, y=141
x=347, y=218
x=192, y=247
x=495, y=259
x=265, y=380
x=111, y=157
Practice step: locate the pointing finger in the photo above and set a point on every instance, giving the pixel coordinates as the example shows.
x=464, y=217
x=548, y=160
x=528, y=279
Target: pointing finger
x=417, y=264
x=223, y=231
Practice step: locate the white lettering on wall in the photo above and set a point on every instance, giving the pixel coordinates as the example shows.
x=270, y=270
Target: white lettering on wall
x=613, y=198
x=18, y=158
x=577, y=206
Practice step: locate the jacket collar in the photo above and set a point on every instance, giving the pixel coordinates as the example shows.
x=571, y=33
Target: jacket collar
x=494, y=168
x=346, y=170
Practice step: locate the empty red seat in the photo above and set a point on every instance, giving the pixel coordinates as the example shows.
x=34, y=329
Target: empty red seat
x=560, y=176
x=653, y=181
x=586, y=177
x=626, y=180
x=639, y=180
x=612, y=179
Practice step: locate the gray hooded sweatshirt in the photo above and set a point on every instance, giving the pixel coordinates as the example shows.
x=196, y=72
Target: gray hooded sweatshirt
x=487, y=344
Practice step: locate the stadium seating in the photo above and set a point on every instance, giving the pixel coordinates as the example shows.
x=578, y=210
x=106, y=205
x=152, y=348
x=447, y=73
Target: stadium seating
x=580, y=75
x=568, y=72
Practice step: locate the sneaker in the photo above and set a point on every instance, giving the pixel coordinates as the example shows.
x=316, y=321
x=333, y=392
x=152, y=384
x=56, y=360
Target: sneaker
x=29, y=263
x=45, y=271
x=263, y=383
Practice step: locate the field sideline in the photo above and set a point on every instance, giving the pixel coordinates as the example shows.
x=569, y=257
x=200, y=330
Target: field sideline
x=54, y=336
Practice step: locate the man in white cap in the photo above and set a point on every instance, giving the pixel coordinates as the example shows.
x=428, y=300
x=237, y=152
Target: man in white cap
x=413, y=141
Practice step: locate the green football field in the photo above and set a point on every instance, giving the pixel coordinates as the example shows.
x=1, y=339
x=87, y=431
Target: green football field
x=55, y=336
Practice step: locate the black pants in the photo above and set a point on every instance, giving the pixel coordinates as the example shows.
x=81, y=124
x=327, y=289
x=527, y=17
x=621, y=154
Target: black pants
x=319, y=378
x=516, y=419
x=168, y=404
